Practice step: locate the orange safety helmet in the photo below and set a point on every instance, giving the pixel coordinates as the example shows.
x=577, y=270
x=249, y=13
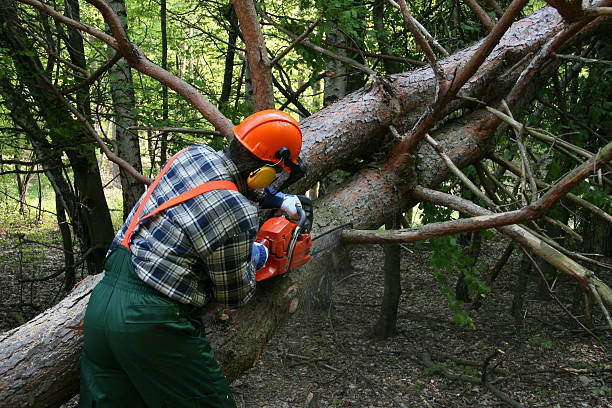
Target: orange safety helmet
x=271, y=135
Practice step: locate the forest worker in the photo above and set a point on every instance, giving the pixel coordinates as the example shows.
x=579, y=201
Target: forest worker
x=185, y=242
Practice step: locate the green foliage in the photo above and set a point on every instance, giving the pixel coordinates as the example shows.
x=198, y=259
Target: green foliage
x=603, y=390
x=543, y=343
x=446, y=259
x=464, y=369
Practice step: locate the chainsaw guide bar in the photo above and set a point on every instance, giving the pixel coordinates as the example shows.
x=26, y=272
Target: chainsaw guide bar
x=328, y=240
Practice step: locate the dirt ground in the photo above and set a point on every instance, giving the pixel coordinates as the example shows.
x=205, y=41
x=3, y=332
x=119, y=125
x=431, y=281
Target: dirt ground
x=321, y=358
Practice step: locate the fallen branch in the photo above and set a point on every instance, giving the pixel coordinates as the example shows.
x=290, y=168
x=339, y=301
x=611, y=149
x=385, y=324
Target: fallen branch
x=556, y=299
x=483, y=221
x=401, y=151
x=585, y=277
x=582, y=59
x=572, y=197
x=481, y=14
x=420, y=39
x=457, y=172
x=439, y=369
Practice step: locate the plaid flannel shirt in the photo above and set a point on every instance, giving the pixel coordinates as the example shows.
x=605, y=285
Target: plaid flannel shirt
x=202, y=246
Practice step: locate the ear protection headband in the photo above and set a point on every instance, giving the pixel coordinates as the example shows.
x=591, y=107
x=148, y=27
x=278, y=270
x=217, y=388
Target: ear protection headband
x=265, y=175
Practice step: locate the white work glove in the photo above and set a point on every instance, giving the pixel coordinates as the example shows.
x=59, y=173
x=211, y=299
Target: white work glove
x=290, y=202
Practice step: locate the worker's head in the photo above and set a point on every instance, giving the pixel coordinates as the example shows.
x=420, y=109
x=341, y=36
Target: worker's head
x=274, y=140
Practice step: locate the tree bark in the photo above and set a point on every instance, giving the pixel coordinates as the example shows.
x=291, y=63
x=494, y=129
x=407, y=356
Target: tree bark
x=228, y=73
x=163, y=154
x=385, y=325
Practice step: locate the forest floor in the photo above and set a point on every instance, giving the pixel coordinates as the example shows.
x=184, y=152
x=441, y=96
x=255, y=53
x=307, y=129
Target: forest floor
x=321, y=358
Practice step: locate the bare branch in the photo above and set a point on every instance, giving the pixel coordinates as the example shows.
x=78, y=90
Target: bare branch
x=72, y=23
x=484, y=174
x=520, y=132
x=424, y=31
x=164, y=129
x=481, y=14
x=572, y=117
x=572, y=197
x=111, y=156
x=301, y=90
x=543, y=55
x=298, y=40
x=374, y=55
x=93, y=77
x=67, y=63
x=599, y=11
x=582, y=59
x=552, y=295
x=362, y=68
x=401, y=150
x=496, y=8
x=420, y=39
x=527, y=213
x=459, y=173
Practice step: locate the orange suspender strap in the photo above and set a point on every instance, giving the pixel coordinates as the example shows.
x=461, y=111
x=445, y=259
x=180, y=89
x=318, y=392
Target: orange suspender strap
x=201, y=189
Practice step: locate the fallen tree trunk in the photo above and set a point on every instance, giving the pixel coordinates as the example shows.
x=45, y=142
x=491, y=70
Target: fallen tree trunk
x=358, y=124
x=39, y=361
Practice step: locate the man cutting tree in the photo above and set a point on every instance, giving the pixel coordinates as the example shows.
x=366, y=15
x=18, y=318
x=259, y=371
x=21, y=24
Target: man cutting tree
x=190, y=239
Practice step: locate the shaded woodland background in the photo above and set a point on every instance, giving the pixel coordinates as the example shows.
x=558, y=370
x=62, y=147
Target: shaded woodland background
x=429, y=121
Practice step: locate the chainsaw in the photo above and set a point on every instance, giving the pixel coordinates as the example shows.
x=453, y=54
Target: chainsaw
x=288, y=241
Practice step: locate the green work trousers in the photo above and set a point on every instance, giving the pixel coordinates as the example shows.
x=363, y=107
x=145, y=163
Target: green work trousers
x=142, y=349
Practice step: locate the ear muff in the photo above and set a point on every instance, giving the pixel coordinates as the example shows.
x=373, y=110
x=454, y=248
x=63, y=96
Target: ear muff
x=261, y=178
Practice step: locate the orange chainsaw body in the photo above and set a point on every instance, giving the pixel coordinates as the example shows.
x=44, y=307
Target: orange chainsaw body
x=278, y=232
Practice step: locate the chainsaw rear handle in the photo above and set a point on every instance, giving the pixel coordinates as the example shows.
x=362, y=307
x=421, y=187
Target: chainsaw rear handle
x=308, y=209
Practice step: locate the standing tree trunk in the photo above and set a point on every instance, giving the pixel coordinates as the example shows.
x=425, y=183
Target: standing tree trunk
x=228, y=74
x=518, y=297
x=163, y=156
x=335, y=83
x=62, y=223
x=91, y=215
x=257, y=54
x=385, y=326
x=384, y=46
x=23, y=184
x=124, y=104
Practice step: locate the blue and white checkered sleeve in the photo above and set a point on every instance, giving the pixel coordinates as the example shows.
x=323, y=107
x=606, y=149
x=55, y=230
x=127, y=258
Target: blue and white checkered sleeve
x=230, y=266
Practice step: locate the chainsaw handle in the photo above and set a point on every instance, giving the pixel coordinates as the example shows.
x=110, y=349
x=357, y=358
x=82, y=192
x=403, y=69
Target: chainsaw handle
x=296, y=233
x=303, y=217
